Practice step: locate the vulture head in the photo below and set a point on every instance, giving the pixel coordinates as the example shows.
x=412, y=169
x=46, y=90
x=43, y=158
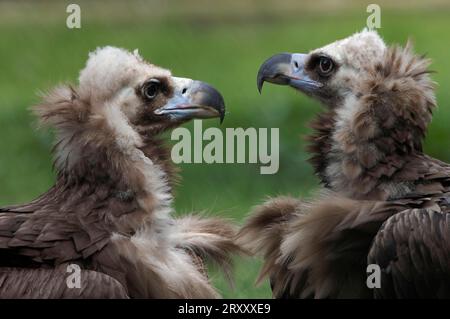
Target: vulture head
x=148, y=96
x=329, y=74
x=379, y=102
x=121, y=104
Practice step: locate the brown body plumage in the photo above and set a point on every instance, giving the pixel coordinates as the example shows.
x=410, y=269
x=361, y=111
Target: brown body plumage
x=384, y=201
x=110, y=208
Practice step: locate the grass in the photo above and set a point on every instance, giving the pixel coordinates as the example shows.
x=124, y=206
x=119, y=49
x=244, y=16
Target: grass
x=35, y=55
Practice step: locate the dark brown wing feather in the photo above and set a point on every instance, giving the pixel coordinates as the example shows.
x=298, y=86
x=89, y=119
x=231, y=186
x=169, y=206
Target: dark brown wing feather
x=66, y=223
x=413, y=251
x=263, y=234
x=320, y=249
x=52, y=284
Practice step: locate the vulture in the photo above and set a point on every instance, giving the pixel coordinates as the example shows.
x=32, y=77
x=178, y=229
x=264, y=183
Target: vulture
x=110, y=210
x=384, y=206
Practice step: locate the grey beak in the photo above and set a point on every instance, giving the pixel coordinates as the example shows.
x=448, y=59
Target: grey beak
x=274, y=70
x=193, y=99
x=286, y=69
x=206, y=96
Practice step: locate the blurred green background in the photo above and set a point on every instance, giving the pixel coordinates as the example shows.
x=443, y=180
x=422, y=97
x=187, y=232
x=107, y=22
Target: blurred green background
x=221, y=42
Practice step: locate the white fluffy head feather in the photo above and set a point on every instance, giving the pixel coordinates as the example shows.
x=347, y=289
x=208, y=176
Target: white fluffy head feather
x=110, y=69
x=356, y=49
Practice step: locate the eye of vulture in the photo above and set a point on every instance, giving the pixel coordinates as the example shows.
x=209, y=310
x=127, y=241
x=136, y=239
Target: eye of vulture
x=383, y=201
x=110, y=209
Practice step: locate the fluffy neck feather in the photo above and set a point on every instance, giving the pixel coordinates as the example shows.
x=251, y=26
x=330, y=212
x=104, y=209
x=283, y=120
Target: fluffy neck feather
x=103, y=149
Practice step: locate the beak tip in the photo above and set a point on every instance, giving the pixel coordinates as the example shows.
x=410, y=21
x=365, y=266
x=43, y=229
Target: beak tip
x=272, y=68
x=259, y=84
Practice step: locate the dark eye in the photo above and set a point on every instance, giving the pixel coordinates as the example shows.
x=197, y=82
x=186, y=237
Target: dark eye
x=151, y=89
x=326, y=65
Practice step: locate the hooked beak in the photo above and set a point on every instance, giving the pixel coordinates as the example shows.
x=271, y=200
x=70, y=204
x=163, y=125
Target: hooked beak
x=193, y=99
x=287, y=69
